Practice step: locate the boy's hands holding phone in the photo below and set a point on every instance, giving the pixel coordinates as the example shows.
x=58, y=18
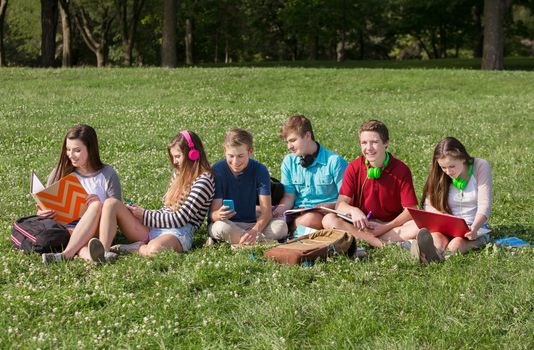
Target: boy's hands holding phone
x=227, y=210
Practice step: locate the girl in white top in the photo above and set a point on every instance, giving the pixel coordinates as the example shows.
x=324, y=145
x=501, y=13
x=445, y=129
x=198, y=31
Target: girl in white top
x=186, y=204
x=80, y=155
x=460, y=185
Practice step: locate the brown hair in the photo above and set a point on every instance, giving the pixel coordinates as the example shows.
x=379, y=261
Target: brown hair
x=180, y=184
x=376, y=126
x=296, y=123
x=236, y=137
x=438, y=183
x=87, y=135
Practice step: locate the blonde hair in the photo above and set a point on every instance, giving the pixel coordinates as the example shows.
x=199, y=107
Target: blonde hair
x=182, y=180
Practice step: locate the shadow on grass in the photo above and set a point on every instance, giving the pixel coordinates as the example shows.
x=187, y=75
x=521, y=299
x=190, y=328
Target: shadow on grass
x=521, y=231
x=510, y=63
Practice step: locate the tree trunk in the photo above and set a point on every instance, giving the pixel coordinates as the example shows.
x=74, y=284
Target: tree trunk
x=340, y=48
x=128, y=27
x=3, y=8
x=493, y=54
x=168, y=45
x=442, y=42
x=362, y=45
x=49, y=16
x=66, y=58
x=188, y=42
x=216, y=56
x=314, y=46
x=227, y=58
x=99, y=46
x=478, y=39
x=100, y=57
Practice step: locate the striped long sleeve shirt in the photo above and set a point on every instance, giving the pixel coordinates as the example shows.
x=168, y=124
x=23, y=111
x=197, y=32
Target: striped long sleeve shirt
x=192, y=211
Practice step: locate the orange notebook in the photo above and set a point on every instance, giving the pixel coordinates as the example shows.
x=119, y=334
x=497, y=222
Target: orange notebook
x=66, y=197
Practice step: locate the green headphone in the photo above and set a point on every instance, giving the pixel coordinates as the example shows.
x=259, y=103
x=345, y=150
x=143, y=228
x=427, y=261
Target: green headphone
x=460, y=183
x=374, y=173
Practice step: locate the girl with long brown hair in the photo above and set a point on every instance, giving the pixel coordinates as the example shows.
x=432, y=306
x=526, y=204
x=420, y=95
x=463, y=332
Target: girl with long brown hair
x=186, y=204
x=80, y=156
x=459, y=185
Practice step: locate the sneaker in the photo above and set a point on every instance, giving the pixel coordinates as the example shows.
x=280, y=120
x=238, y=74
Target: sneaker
x=210, y=241
x=110, y=257
x=425, y=247
x=49, y=258
x=96, y=250
x=406, y=244
x=126, y=248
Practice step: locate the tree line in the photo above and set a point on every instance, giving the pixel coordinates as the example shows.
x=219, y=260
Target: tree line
x=52, y=33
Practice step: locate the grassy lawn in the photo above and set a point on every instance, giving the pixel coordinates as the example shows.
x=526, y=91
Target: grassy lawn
x=219, y=298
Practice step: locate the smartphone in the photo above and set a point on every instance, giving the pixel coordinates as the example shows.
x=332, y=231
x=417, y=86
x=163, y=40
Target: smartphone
x=229, y=203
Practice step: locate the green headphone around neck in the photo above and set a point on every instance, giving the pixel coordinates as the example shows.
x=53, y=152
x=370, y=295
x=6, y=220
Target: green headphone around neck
x=460, y=183
x=374, y=173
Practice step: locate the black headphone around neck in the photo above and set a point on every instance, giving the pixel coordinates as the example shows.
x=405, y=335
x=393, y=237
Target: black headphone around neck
x=308, y=159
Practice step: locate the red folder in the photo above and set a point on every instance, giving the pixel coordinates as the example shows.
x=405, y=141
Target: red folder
x=449, y=225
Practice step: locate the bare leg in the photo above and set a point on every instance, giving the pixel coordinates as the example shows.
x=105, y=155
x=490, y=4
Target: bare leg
x=115, y=212
x=401, y=233
x=310, y=219
x=332, y=221
x=464, y=245
x=160, y=243
x=440, y=242
x=83, y=232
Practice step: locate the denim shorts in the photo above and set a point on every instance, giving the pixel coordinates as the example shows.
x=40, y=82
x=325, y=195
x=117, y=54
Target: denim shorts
x=184, y=235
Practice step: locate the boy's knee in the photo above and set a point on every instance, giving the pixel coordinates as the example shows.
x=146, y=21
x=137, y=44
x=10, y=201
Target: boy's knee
x=313, y=220
x=279, y=228
x=329, y=221
x=219, y=230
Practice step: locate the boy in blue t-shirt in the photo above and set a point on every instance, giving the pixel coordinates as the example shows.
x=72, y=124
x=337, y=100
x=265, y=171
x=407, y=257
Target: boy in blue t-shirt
x=240, y=178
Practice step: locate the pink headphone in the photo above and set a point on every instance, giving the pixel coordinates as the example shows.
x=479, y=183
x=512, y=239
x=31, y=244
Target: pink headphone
x=193, y=153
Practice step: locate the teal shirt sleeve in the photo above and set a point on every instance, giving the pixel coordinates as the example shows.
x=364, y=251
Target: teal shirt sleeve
x=286, y=175
x=338, y=170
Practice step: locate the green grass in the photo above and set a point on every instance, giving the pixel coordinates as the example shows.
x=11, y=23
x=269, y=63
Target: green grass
x=219, y=298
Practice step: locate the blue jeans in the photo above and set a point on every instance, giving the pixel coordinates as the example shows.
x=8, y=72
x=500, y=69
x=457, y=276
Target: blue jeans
x=183, y=234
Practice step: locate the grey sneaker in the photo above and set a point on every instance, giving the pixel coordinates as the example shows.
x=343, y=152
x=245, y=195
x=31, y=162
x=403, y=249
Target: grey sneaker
x=110, y=257
x=406, y=244
x=126, y=248
x=49, y=258
x=425, y=247
x=96, y=250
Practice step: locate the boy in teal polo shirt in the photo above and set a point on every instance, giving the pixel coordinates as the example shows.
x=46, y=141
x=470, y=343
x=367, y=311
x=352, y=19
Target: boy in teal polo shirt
x=311, y=174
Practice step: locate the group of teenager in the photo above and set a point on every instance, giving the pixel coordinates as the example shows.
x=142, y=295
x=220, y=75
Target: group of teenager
x=375, y=190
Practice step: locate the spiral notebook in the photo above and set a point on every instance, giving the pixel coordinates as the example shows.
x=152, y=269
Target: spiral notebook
x=65, y=197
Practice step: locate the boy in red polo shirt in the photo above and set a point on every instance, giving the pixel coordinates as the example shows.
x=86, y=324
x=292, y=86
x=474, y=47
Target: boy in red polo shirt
x=377, y=188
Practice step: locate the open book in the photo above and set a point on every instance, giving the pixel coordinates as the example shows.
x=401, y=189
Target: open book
x=66, y=197
x=325, y=210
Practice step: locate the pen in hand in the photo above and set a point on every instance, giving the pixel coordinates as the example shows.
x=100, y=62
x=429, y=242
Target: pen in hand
x=369, y=214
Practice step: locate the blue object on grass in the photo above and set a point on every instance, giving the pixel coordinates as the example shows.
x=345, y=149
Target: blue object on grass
x=511, y=242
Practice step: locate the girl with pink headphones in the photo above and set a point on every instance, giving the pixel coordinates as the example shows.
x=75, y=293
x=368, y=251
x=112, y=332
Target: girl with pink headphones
x=459, y=185
x=186, y=204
